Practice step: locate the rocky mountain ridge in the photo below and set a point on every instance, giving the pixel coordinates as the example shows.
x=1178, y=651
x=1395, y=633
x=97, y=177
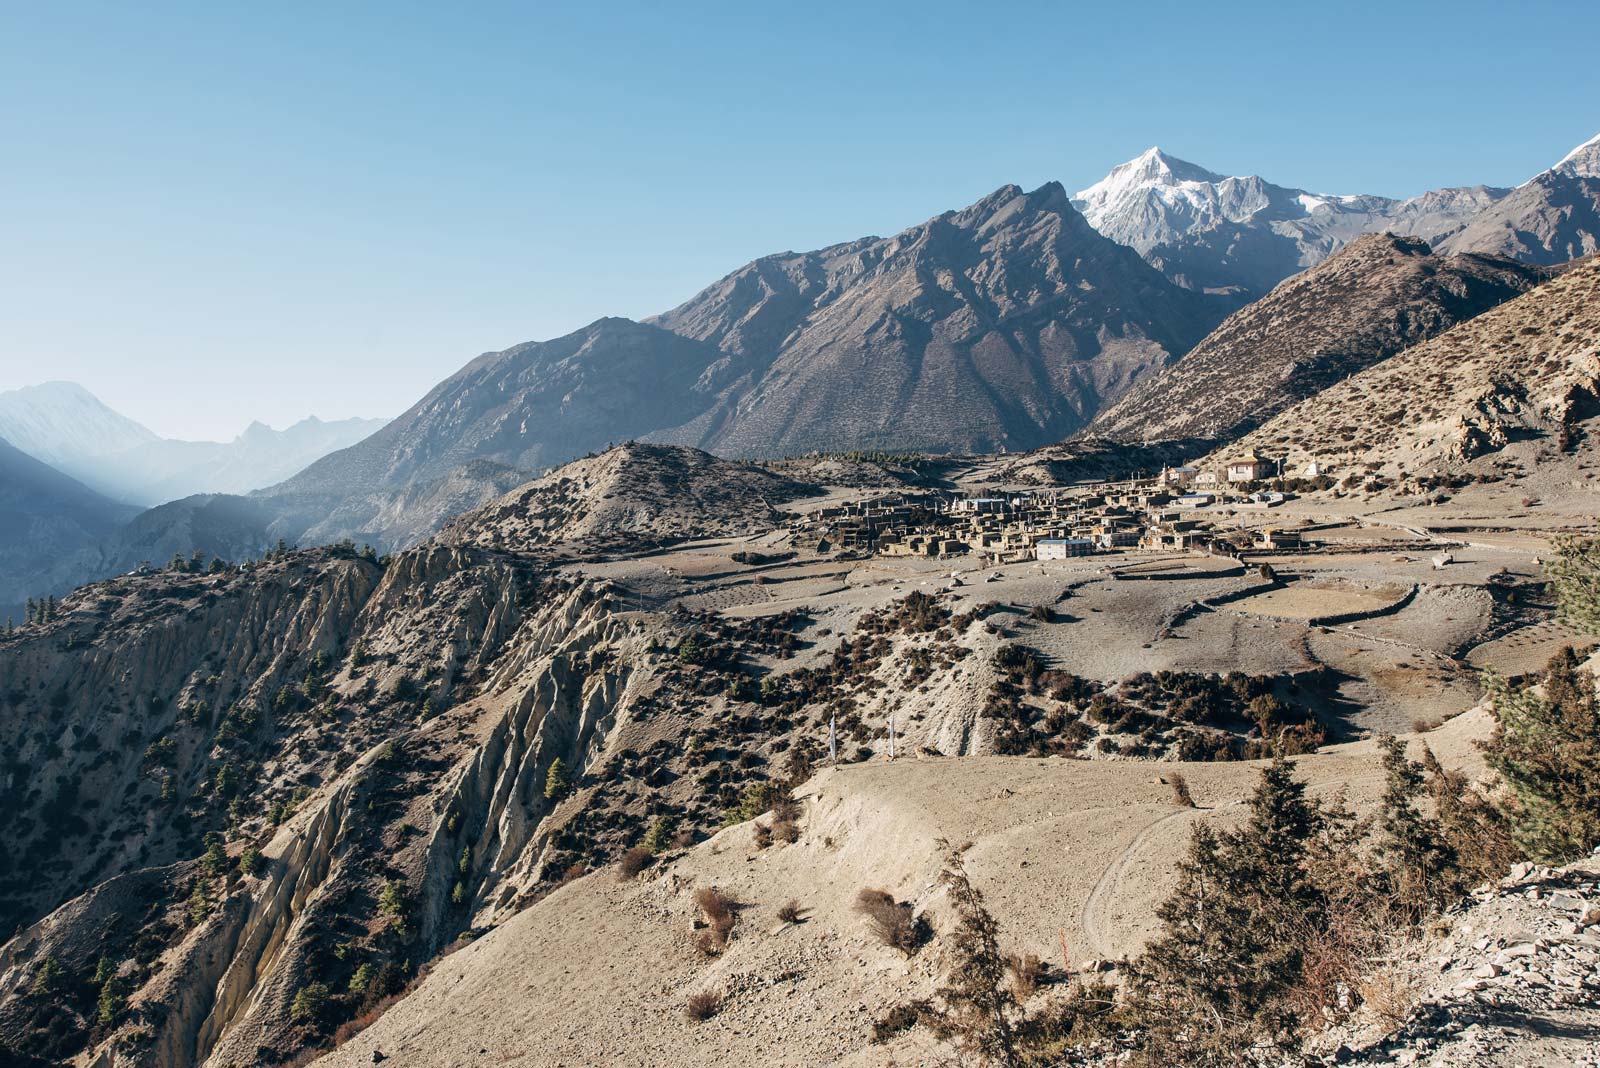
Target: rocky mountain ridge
x=1380, y=294
x=1507, y=390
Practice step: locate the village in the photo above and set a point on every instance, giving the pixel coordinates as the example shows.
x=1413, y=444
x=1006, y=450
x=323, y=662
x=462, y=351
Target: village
x=1180, y=509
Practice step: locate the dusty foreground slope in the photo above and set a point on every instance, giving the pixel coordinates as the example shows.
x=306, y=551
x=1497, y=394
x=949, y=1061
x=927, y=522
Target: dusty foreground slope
x=598, y=973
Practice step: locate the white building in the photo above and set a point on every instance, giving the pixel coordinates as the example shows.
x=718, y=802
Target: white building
x=1062, y=548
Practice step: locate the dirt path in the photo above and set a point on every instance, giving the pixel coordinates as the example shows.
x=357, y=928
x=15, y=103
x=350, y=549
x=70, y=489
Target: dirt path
x=1088, y=919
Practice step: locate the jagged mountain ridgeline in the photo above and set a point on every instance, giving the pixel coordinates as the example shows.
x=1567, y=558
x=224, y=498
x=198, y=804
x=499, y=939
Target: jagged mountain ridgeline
x=1244, y=235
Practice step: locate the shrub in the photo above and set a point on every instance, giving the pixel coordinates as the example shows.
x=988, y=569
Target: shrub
x=250, y=861
x=634, y=861
x=719, y=913
x=310, y=1003
x=895, y=924
x=898, y=1020
x=703, y=1005
x=1026, y=971
x=789, y=911
x=786, y=831
x=1180, y=790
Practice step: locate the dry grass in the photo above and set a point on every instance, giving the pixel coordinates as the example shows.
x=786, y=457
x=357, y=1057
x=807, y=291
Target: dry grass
x=703, y=1005
x=1026, y=971
x=786, y=831
x=894, y=923
x=1390, y=994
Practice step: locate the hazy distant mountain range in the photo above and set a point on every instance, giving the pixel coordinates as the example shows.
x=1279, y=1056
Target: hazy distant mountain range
x=67, y=427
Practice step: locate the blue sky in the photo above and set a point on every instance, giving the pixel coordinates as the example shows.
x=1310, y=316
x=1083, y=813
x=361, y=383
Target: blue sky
x=223, y=212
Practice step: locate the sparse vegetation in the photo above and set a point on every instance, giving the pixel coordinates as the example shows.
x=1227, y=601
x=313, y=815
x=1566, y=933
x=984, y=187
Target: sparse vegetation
x=894, y=923
x=703, y=1005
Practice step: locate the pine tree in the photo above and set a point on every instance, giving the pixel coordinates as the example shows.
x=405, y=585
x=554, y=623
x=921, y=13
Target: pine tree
x=1420, y=868
x=1235, y=931
x=1575, y=573
x=982, y=1008
x=557, y=783
x=1547, y=749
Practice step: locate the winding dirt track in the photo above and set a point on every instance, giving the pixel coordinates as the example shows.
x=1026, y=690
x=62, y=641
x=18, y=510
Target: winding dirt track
x=1111, y=878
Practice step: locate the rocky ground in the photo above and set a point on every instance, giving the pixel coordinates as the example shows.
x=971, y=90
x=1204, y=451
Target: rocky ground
x=1513, y=979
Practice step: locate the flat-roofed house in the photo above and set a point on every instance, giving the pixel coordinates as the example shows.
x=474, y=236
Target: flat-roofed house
x=1250, y=467
x=1062, y=548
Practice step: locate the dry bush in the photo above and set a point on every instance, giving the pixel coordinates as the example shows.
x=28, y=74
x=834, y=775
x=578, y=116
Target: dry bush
x=786, y=831
x=1180, y=790
x=763, y=837
x=789, y=911
x=573, y=873
x=896, y=1021
x=895, y=924
x=634, y=861
x=1026, y=971
x=785, y=809
x=1390, y=994
x=1423, y=726
x=703, y=1005
x=720, y=917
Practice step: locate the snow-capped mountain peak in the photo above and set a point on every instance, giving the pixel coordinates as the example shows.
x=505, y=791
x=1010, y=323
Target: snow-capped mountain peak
x=1583, y=161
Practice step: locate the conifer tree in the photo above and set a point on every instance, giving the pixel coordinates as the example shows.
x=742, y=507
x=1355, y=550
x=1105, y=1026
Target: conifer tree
x=1575, y=573
x=1547, y=749
x=982, y=1005
x=557, y=783
x=1420, y=868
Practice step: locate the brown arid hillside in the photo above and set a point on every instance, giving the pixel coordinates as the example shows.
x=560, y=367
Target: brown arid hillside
x=1380, y=295
x=1511, y=389
x=1551, y=218
x=459, y=803
x=630, y=497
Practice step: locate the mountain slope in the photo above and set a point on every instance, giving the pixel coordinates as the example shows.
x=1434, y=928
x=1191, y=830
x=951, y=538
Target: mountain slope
x=67, y=427
x=1379, y=295
x=1528, y=371
x=1245, y=234
x=631, y=496
x=1552, y=218
x=529, y=407
x=1005, y=325
x=47, y=521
